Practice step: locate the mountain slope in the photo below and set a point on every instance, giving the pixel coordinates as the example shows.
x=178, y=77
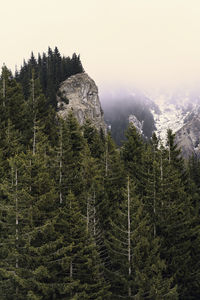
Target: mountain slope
x=119, y=110
x=179, y=112
x=158, y=111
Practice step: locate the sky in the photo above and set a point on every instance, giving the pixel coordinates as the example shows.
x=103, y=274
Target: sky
x=144, y=43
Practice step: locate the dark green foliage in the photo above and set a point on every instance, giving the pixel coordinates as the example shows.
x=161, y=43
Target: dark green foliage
x=136, y=268
x=81, y=219
x=40, y=116
x=78, y=271
x=51, y=69
x=132, y=154
x=94, y=140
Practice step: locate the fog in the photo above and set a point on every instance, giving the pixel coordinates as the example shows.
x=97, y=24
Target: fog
x=122, y=43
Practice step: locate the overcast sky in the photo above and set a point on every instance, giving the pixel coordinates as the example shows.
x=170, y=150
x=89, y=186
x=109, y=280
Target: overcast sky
x=140, y=42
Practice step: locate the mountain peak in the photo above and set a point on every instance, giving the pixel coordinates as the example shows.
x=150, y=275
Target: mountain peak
x=80, y=94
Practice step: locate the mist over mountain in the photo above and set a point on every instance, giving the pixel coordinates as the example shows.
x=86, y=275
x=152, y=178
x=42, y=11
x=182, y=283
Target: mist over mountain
x=75, y=209
x=156, y=111
x=121, y=105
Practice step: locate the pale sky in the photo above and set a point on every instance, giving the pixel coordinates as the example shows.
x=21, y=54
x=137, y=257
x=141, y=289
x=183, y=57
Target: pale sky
x=139, y=42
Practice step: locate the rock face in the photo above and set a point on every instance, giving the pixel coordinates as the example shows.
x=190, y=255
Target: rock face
x=179, y=110
x=138, y=125
x=79, y=93
x=188, y=137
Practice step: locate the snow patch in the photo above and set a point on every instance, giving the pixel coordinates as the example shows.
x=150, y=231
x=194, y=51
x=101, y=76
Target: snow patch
x=170, y=117
x=174, y=109
x=138, y=125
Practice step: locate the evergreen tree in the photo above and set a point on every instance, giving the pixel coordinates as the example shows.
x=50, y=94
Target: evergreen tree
x=78, y=270
x=11, y=100
x=30, y=193
x=94, y=140
x=51, y=69
x=114, y=180
x=175, y=221
x=39, y=116
x=132, y=155
x=136, y=268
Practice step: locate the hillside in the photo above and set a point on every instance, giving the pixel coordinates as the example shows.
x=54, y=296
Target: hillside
x=81, y=218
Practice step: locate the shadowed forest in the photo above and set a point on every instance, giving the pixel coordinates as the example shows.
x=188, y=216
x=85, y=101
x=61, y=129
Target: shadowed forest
x=81, y=218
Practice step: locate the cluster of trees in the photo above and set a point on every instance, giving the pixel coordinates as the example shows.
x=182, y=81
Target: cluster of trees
x=51, y=69
x=81, y=219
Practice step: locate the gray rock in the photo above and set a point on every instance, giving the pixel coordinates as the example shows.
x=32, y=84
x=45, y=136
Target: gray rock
x=138, y=125
x=188, y=137
x=79, y=93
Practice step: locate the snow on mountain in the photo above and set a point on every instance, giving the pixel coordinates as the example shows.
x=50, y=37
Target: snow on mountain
x=178, y=110
x=138, y=125
x=170, y=116
x=174, y=110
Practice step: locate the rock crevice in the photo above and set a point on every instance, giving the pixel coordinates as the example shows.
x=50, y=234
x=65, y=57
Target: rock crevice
x=79, y=93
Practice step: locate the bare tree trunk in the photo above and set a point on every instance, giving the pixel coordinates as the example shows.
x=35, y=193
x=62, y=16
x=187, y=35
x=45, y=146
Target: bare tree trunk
x=169, y=153
x=71, y=270
x=71, y=275
x=31, y=205
x=161, y=174
x=34, y=135
x=161, y=168
x=4, y=91
x=106, y=160
x=129, y=236
x=94, y=221
x=154, y=202
x=60, y=165
x=16, y=204
x=88, y=215
x=34, y=118
x=17, y=220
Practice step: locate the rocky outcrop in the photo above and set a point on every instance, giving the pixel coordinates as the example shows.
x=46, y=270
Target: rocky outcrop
x=79, y=93
x=188, y=137
x=138, y=125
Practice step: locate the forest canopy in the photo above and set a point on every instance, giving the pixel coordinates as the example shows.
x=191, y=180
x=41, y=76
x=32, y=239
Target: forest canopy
x=81, y=218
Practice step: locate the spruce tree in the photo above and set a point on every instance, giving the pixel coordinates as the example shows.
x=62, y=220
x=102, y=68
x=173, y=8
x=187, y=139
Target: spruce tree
x=175, y=220
x=78, y=269
x=132, y=155
x=136, y=271
x=39, y=115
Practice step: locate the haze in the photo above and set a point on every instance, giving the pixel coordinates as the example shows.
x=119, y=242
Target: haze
x=145, y=43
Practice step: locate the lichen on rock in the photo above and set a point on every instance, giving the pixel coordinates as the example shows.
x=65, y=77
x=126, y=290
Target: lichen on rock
x=82, y=97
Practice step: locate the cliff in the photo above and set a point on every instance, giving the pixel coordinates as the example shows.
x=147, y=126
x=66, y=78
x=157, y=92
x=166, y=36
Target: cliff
x=188, y=137
x=79, y=93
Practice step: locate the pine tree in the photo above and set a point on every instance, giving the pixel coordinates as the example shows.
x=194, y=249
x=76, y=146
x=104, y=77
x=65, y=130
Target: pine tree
x=174, y=156
x=39, y=115
x=175, y=220
x=11, y=101
x=151, y=180
x=73, y=156
x=30, y=192
x=93, y=139
x=51, y=69
x=113, y=182
x=136, y=268
x=78, y=270
x=132, y=154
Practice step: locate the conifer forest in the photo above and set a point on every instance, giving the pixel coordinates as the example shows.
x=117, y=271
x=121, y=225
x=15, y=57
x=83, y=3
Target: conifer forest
x=81, y=218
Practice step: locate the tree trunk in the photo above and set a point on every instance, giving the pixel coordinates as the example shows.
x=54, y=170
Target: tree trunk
x=129, y=236
x=34, y=118
x=60, y=165
x=16, y=216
